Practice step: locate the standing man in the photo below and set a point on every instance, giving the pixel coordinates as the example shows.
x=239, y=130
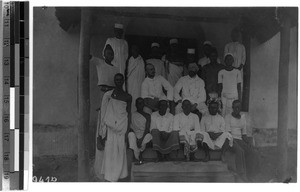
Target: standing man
x=115, y=119
x=164, y=138
x=152, y=90
x=135, y=74
x=236, y=49
x=207, y=46
x=210, y=73
x=155, y=60
x=229, y=84
x=174, y=62
x=192, y=88
x=120, y=48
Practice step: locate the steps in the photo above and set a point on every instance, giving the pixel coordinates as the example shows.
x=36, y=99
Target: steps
x=179, y=171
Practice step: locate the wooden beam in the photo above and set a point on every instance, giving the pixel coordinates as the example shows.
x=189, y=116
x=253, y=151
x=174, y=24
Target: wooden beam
x=283, y=83
x=84, y=96
x=167, y=16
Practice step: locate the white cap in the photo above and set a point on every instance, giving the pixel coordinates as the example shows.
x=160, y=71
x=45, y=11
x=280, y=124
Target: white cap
x=154, y=45
x=191, y=51
x=228, y=54
x=173, y=41
x=118, y=26
x=207, y=43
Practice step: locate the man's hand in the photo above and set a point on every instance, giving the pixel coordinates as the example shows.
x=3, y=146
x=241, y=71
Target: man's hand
x=194, y=107
x=240, y=67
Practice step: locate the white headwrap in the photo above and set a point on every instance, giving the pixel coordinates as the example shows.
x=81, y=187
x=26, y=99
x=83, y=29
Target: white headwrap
x=118, y=26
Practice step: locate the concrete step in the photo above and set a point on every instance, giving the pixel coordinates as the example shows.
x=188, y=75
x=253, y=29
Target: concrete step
x=178, y=171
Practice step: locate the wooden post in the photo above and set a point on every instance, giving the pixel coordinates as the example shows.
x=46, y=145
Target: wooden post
x=84, y=96
x=282, y=131
x=246, y=72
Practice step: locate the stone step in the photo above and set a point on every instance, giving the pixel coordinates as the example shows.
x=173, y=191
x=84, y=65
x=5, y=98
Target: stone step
x=212, y=171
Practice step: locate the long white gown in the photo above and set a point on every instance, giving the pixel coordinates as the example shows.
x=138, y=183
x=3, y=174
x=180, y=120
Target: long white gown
x=114, y=121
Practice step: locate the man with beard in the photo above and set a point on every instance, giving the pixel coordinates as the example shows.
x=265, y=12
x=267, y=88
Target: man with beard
x=192, y=88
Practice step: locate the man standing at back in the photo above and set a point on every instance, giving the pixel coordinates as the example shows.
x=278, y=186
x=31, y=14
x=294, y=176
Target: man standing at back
x=236, y=49
x=120, y=48
x=155, y=60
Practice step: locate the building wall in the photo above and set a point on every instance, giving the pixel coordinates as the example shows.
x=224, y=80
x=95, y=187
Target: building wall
x=264, y=82
x=55, y=63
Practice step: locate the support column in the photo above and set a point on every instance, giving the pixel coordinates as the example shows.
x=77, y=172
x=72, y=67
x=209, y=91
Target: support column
x=282, y=131
x=84, y=96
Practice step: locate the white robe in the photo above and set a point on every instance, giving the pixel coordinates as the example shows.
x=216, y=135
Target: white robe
x=135, y=78
x=120, y=48
x=174, y=72
x=192, y=89
x=114, y=121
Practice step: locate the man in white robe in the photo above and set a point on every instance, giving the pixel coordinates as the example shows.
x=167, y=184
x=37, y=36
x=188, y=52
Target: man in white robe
x=120, y=48
x=135, y=75
x=238, y=51
x=174, y=62
x=140, y=126
x=152, y=90
x=115, y=117
x=192, y=88
x=155, y=60
x=214, y=125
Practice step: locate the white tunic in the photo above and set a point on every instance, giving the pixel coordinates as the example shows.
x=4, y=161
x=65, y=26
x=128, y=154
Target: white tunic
x=238, y=51
x=193, y=89
x=135, y=77
x=152, y=88
x=237, y=127
x=229, y=80
x=205, y=60
x=216, y=124
x=212, y=123
x=120, y=48
x=162, y=123
x=105, y=72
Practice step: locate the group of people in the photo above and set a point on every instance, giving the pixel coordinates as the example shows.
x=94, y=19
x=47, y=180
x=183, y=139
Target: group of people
x=168, y=101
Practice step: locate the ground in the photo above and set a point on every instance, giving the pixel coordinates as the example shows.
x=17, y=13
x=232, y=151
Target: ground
x=65, y=168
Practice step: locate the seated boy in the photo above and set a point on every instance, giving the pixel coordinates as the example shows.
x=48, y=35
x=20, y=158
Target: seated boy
x=214, y=125
x=140, y=130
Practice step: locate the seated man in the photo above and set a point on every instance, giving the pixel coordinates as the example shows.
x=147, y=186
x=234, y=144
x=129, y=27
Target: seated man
x=140, y=130
x=192, y=88
x=152, y=90
x=246, y=158
x=164, y=138
x=188, y=126
x=214, y=125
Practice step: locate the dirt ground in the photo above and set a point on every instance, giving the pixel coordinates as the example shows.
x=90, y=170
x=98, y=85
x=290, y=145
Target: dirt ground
x=64, y=169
